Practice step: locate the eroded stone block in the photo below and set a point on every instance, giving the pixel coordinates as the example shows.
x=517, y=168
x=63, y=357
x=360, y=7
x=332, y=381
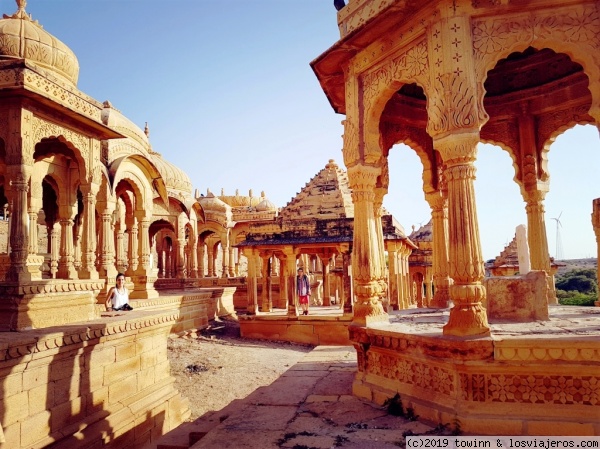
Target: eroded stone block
x=518, y=298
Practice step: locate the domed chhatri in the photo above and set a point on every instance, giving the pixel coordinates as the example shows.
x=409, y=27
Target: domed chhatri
x=24, y=38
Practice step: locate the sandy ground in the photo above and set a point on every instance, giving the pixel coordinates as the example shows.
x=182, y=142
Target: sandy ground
x=219, y=366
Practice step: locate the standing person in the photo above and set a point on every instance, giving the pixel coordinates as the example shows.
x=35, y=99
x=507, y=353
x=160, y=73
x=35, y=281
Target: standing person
x=303, y=289
x=118, y=296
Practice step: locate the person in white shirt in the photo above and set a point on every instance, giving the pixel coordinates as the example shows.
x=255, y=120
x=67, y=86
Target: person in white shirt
x=118, y=296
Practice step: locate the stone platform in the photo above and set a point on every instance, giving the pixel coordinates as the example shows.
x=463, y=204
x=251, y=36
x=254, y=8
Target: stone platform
x=325, y=325
x=526, y=378
x=536, y=378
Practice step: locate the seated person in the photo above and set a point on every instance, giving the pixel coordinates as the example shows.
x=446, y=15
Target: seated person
x=118, y=296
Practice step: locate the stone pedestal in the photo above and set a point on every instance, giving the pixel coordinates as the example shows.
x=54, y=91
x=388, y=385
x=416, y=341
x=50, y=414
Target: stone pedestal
x=47, y=303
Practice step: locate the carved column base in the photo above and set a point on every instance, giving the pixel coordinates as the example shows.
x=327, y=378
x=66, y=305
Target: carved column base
x=441, y=298
x=265, y=307
x=143, y=287
x=292, y=310
x=89, y=274
x=366, y=314
x=468, y=316
x=110, y=273
x=29, y=271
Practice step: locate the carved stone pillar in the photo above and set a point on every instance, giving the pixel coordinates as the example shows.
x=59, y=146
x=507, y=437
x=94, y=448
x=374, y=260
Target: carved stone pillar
x=19, y=220
x=122, y=263
x=428, y=288
x=181, y=258
x=441, y=280
x=168, y=262
x=33, y=231
x=382, y=276
x=211, y=260
x=468, y=316
x=325, y=260
x=66, y=269
x=54, y=235
x=537, y=239
x=231, y=261
x=283, y=286
x=201, y=251
x=107, y=255
x=408, y=290
x=252, y=291
x=596, y=225
x=418, y=280
x=77, y=243
x=88, y=260
x=393, y=276
x=194, y=257
x=143, y=250
x=225, y=253
x=290, y=281
x=347, y=296
x=366, y=259
x=267, y=298
x=132, y=250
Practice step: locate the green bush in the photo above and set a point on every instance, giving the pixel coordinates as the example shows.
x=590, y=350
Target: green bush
x=580, y=280
x=580, y=300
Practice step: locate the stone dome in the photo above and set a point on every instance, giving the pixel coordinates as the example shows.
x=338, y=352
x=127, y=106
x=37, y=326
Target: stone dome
x=266, y=206
x=174, y=177
x=210, y=203
x=24, y=38
x=240, y=200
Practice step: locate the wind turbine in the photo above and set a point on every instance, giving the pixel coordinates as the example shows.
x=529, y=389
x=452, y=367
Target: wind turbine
x=559, y=249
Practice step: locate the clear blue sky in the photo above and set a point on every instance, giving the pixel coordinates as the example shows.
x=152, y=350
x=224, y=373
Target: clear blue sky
x=229, y=96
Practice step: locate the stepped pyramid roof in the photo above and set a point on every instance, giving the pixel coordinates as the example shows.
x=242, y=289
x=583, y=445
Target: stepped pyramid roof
x=508, y=256
x=322, y=213
x=326, y=195
x=423, y=234
x=507, y=263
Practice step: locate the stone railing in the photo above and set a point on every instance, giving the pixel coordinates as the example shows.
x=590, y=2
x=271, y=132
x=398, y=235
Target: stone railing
x=358, y=12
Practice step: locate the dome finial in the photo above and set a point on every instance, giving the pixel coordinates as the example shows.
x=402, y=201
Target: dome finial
x=21, y=13
x=147, y=130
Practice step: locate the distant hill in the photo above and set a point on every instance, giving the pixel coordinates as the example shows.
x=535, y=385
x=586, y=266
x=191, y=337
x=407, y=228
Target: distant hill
x=573, y=264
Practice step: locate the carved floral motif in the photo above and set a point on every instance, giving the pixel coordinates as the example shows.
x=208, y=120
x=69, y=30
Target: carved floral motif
x=44, y=129
x=495, y=36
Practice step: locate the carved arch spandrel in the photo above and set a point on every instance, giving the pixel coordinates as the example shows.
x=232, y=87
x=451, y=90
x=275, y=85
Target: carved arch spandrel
x=78, y=143
x=551, y=137
x=422, y=144
x=380, y=84
x=133, y=180
x=147, y=174
x=505, y=134
x=573, y=30
x=551, y=125
x=208, y=229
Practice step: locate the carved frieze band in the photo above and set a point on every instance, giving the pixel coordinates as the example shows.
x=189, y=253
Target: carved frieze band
x=55, y=287
x=487, y=387
x=56, y=340
x=76, y=101
x=493, y=36
x=531, y=388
